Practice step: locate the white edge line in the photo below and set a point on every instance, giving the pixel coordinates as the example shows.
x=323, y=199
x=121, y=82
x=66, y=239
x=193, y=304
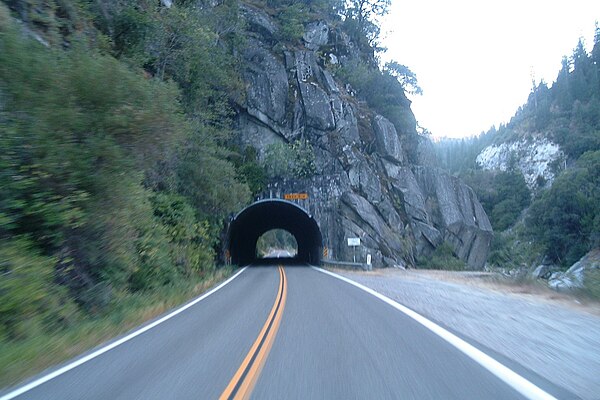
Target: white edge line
x=516, y=381
x=112, y=345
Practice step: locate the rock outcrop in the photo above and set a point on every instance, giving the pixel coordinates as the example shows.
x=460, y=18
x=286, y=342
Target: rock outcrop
x=534, y=158
x=366, y=185
x=579, y=276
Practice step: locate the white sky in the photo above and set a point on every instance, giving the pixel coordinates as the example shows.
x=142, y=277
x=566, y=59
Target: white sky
x=474, y=58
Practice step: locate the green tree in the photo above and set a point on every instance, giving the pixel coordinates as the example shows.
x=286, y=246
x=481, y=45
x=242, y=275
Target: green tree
x=361, y=20
x=404, y=75
x=566, y=218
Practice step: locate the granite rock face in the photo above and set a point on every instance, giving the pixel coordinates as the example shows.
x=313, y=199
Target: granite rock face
x=388, y=142
x=534, y=158
x=316, y=35
x=374, y=180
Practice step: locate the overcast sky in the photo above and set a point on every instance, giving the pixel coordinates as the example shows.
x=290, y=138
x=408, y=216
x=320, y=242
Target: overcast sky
x=474, y=59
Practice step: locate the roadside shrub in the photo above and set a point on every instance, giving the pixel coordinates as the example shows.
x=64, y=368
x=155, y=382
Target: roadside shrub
x=295, y=160
x=29, y=302
x=442, y=257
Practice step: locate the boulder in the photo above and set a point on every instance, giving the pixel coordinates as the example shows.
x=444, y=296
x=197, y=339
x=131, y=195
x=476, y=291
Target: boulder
x=544, y=271
x=560, y=282
x=256, y=134
x=388, y=142
x=535, y=158
x=345, y=122
x=426, y=153
x=576, y=276
x=317, y=107
x=316, y=35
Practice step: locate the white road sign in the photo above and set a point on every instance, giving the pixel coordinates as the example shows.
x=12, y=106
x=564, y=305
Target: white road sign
x=353, y=242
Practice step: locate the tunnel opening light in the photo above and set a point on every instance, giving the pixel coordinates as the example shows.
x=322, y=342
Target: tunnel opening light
x=276, y=243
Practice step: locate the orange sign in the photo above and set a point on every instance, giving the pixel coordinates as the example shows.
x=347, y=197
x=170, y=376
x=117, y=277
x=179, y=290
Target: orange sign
x=295, y=196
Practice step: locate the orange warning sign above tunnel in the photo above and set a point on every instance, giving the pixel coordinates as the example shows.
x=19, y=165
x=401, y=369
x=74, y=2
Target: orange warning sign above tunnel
x=295, y=196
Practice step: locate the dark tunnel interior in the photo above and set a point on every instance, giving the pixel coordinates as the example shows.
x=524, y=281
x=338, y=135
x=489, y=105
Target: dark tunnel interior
x=262, y=216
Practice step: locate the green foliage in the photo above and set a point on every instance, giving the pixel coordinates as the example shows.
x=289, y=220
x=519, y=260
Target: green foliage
x=250, y=171
x=592, y=283
x=29, y=302
x=568, y=111
x=404, y=75
x=56, y=20
x=295, y=160
x=191, y=245
x=566, y=218
x=503, y=195
x=442, y=257
x=514, y=249
x=112, y=180
x=291, y=20
x=383, y=92
x=360, y=20
x=213, y=189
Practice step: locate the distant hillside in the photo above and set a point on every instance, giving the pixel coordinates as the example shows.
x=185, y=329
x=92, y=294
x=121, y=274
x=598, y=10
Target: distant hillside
x=550, y=148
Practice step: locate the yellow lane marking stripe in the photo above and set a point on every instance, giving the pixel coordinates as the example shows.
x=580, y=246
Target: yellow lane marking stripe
x=243, y=381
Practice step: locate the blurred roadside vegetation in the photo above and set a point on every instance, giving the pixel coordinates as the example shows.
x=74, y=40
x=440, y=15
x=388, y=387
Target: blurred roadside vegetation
x=115, y=124
x=442, y=257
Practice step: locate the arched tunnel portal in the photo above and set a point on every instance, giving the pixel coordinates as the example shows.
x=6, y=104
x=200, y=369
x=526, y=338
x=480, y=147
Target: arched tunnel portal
x=264, y=215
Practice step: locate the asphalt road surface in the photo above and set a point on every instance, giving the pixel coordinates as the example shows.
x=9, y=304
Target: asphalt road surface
x=283, y=333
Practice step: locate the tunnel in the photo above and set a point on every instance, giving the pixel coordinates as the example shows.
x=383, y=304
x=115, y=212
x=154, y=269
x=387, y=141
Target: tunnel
x=262, y=216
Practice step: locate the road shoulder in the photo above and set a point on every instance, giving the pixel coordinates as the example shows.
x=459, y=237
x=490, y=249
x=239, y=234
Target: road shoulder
x=555, y=339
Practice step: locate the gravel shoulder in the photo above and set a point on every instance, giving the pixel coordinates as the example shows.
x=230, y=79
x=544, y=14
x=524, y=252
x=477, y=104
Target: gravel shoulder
x=554, y=335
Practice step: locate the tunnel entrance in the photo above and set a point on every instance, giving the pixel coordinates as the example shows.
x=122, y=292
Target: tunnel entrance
x=265, y=215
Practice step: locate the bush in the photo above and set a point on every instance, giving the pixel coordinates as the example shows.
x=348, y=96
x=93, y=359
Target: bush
x=503, y=195
x=383, y=92
x=29, y=302
x=291, y=21
x=592, y=283
x=296, y=160
x=566, y=218
x=442, y=257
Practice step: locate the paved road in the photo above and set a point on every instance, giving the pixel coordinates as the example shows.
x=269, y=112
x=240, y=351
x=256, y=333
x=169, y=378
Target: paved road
x=297, y=334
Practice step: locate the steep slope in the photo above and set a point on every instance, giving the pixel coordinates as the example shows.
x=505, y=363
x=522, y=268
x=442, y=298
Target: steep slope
x=367, y=182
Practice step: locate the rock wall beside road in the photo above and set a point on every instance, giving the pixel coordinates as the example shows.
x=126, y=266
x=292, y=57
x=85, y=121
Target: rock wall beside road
x=368, y=184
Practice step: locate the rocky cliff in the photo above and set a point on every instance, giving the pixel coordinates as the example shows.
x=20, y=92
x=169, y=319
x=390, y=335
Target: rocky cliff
x=534, y=157
x=374, y=180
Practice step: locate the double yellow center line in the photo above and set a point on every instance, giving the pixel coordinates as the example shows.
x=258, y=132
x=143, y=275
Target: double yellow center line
x=242, y=383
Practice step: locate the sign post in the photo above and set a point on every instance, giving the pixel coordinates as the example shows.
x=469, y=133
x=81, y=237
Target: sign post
x=354, y=243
